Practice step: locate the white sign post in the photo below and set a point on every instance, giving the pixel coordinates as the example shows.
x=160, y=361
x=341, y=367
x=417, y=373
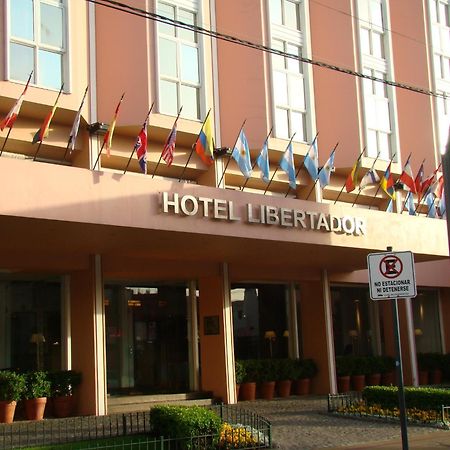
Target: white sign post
x=391, y=275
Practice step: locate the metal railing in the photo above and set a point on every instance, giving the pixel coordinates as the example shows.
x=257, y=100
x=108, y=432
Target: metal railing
x=74, y=430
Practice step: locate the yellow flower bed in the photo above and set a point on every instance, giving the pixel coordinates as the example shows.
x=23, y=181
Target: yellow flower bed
x=236, y=437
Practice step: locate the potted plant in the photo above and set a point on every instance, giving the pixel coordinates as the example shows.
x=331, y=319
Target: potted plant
x=12, y=386
x=375, y=368
x=344, y=368
x=360, y=369
x=63, y=384
x=387, y=370
x=424, y=361
x=37, y=389
x=305, y=370
x=285, y=375
x=247, y=390
x=266, y=378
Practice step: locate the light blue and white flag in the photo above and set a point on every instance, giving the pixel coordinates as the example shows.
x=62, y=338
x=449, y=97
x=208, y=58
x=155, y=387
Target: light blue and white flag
x=325, y=172
x=287, y=164
x=263, y=162
x=241, y=154
x=442, y=207
x=371, y=177
x=410, y=204
x=429, y=200
x=311, y=161
x=390, y=206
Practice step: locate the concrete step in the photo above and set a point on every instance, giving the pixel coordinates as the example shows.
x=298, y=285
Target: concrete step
x=133, y=403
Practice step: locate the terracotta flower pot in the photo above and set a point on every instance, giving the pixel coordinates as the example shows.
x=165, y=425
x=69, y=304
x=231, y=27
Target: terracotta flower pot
x=35, y=407
x=302, y=386
x=247, y=391
x=423, y=377
x=358, y=382
x=343, y=383
x=373, y=379
x=7, y=410
x=388, y=378
x=436, y=376
x=63, y=406
x=284, y=388
x=267, y=390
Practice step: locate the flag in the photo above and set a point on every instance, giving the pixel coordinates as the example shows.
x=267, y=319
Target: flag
x=76, y=125
x=429, y=200
x=441, y=206
x=371, y=177
x=390, y=206
x=352, y=178
x=287, y=164
x=311, y=161
x=429, y=180
x=325, y=173
x=107, y=140
x=10, y=118
x=410, y=204
x=140, y=147
x=387, y=183
x=204, y=145
x=407, y=177
x=169, y=146
x=241, y=154
x=43, y=131
x=263, y=162
x=418, y=182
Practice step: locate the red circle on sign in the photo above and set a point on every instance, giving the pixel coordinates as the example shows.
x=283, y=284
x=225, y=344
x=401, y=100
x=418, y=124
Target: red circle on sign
x=391, y=266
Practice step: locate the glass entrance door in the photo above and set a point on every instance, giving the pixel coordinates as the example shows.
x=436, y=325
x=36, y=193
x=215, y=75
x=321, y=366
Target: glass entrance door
x=147, y=347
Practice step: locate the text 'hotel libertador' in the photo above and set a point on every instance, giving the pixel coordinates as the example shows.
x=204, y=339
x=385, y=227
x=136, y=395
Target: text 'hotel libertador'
x=219, y=209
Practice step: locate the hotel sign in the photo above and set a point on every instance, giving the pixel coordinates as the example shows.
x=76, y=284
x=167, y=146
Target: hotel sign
x=226, y=210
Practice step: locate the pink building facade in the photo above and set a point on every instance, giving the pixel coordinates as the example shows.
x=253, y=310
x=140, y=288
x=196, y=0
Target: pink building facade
x=155, y=283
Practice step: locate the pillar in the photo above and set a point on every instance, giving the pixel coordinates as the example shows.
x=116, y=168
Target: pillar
x=88, y=336
x=216, y=336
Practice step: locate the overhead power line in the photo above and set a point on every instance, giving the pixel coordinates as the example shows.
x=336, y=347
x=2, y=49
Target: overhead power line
x=229, y=38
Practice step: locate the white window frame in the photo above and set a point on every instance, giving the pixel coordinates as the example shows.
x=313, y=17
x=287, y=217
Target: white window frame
x=385, y=66
x=440, y=84
x=300, y=38
x=193, y=6
x=36, y=45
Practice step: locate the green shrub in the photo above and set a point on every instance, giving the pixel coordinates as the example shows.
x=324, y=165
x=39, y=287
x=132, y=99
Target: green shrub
x=420, y=398
x=12, y=385
x=387, y=364
x=251, y=367
x=267, y=370
x=376, y=364
x=285, y=369
x=183, y=421
x=361, y=365
x=64, y=382
x=304, y=368
x=37, y=385
x=239, y=370
x=344, y=365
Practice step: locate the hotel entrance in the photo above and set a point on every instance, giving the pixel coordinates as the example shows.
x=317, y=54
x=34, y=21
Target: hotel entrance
x=147, y=348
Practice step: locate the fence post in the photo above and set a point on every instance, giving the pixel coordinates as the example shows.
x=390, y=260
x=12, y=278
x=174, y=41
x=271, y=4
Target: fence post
x=124, y=424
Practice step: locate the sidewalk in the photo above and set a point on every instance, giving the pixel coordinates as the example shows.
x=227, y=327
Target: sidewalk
x=302, y=423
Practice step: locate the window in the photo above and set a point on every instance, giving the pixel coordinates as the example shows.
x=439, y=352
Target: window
x=377, y=97
x=440, y=38
x=37, y=41
x=288, y=78
x=179, y=63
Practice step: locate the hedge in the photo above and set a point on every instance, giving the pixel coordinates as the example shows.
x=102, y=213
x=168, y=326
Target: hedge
x=420, y=398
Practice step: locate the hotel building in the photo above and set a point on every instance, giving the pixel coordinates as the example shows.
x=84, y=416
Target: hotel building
x=155, y=283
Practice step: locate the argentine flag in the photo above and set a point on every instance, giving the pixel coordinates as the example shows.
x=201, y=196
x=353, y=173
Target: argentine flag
x=263, y=162
x=287, y=165
x=241, y=154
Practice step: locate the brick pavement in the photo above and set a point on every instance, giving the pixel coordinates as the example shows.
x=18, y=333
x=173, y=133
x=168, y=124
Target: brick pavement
x=302, y=423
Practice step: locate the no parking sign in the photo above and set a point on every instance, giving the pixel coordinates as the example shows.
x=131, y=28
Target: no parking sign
x=391, y=275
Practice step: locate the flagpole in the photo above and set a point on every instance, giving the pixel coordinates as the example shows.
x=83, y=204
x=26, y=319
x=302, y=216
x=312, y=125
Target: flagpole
x=303, y=162
x=419, y=202
x=79, y=110
x=54, y=106
x=160, y=156
x=345, y=182
x=229, y=156
x=134, y=146
x=406, y=197
x=381, y=180
x=315, y=181
x=193, y=147
x=276, y=169
x=10, y=128
x=360, y=188
x=6, y=139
